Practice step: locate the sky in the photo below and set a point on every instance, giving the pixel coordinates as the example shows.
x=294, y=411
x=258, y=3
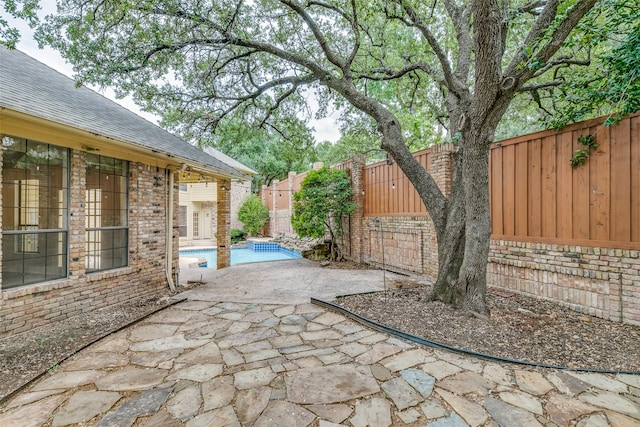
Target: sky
x=325, y=129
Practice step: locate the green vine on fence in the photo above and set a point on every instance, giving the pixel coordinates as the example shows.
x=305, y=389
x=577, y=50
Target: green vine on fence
x=581, y=155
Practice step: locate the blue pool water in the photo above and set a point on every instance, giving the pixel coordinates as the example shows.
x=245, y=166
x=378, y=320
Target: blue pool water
x=258, y=252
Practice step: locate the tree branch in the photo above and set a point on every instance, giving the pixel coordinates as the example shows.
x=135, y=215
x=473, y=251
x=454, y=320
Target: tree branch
x=461, y=18
x=351, y=19
x=559, y=35
x=452, y=83
x=538, y=86
x=383, y=74
x=320, y=38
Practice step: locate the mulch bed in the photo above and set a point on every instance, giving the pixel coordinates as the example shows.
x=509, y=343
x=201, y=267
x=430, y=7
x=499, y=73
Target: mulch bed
x=520, y=327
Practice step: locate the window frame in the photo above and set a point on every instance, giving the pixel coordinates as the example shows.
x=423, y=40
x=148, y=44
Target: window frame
x=93, y=210
x=25, y=238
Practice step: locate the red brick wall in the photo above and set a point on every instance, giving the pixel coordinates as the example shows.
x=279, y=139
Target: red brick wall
x=598, y=281
x=409, y=244
x=35, y=305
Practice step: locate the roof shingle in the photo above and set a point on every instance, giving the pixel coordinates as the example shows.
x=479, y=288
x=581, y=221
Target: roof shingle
x=31, y=87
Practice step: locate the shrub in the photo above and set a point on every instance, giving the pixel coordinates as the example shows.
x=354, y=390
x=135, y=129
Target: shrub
x=323, y=201
x=237, y=235
x=253, y=214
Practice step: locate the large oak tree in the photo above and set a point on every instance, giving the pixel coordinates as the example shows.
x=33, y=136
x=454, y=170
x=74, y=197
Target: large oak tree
x=205, y=61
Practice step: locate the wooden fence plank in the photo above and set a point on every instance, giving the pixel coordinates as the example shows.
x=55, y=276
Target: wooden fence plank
x=549, y=185
x=581, y=192
x=521, y=186
x=565, y=185
x=508, y=187
x=535, y=179
x=620, y=184
x=497, y=220
x=600, y=189
x=635, y=178
x=384, y=179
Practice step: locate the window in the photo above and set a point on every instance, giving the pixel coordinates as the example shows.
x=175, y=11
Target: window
x=106, y=218
x=196, y=224
x=182, y=222
x=35, y=188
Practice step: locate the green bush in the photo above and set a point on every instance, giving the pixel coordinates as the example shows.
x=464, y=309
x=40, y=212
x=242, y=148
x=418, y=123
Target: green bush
x=323, y=201
x=253, y=214
x=237, y=235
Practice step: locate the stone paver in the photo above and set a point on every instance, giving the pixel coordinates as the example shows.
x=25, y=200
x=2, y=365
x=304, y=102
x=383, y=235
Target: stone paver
x=471, y=412
x=508, y=415
x=84, y=405
x=186, y=403
x=330, y=384
x=373, y=412
x=401, y=393
x=143, y=404
x=131, y=378
x=218, y=392
x=533, y=382
x=419, y=380
x=522, y=400
x=250, y=403
x=226, y=364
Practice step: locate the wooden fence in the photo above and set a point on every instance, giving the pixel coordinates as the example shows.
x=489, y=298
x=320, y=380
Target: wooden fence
x=388, y=192
x=537, y=196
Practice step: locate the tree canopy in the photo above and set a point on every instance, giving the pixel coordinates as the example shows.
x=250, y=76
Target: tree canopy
x=18, y=9
x=271, y=152
x=448, y=69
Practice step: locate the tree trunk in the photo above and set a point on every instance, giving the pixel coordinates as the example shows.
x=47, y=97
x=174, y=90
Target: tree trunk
x=472, y=280
x=451, y=240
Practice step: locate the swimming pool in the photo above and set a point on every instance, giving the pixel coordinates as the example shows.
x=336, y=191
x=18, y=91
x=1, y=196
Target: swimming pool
x=254, y=252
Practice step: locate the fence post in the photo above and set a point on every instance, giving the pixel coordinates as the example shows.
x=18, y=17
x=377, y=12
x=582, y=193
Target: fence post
x=274, y=205
x=441, y=167
x=357, y=217
x=292, y=175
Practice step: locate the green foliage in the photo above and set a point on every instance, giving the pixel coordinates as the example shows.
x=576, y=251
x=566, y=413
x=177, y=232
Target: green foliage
x=237, y=235
x=581, y=155
x=253, y=214
x=271, y=152
x=323, y=201
x=601, y=75
x=18, y=9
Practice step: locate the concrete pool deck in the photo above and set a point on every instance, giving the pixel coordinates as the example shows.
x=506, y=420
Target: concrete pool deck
x=294, y=281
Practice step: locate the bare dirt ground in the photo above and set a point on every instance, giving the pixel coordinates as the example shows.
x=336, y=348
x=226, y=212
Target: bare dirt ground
x=519, y=328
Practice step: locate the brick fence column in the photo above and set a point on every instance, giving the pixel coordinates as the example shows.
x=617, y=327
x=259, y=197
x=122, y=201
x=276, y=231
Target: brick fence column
x=441, y=167
x=224, y=223
x=275, y=230
x=357, y=217
x=292, y=175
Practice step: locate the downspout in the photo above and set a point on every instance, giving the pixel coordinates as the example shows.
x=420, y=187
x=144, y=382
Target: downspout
x=169, y=232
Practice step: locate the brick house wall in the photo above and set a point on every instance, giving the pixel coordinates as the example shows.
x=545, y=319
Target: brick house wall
x=30, y=306
x=239, y=192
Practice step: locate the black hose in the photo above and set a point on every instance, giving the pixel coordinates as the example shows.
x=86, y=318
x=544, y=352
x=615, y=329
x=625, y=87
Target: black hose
x=440, y=346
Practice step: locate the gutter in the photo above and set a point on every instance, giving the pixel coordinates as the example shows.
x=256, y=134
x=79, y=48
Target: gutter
x=169, y=232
